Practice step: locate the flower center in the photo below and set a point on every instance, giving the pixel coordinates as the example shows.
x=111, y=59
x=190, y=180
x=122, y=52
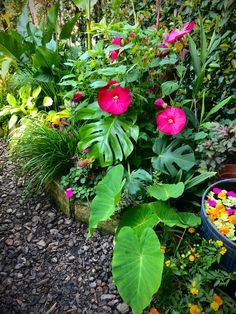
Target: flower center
x=115, y=98
x=170, y=120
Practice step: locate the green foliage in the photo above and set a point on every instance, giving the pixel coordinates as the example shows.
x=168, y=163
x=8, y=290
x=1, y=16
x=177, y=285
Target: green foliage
x=171, y=217
x=109, y=138
x=137, y=180
x=170, y=158
x=108, y=193
x=137, y=267
x=43, y=153
x=165, y=191
x=138, y=218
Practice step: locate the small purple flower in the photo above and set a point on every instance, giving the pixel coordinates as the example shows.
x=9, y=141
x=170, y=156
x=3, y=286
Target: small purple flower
x=216, y=190
x=230, y=211
x=231, y=193
x=69, y=193
x=211, y=203
x=73, y=157
x=86, y=150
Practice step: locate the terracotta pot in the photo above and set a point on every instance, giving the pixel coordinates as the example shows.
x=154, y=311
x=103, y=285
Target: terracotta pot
x=228, y=172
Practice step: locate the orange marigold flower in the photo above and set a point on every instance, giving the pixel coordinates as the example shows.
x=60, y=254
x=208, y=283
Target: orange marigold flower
x=214, y=306
x=194, y=309
x=220, y=207
x=232, y=219
x=224, y=230
x=153, y=311
x=222, y=195
x=218, y=299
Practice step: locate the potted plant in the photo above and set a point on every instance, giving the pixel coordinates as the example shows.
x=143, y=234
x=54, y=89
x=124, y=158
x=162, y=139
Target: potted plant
x=218, y=215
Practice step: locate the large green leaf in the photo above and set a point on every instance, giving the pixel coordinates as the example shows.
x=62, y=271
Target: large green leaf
x=139, y=218
x=194, y=56
x=171, y=217
x=84, y=4
x=68, y=27
x=108, y=193
x=137, y=267
x=109, y=139
x=171, y=157
x=45, y=58
x=189, y=183
x=51, y=23
x=165, y=191
x=169, y=87
x=11, y=44
x=217, y=107
x=22, y=22
x=137, y=181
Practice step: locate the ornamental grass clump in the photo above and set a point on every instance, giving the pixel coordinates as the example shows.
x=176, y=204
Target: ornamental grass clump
x=221, y=210
x=43, y=153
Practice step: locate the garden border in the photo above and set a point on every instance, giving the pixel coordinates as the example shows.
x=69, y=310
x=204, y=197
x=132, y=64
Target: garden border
x=78, y=210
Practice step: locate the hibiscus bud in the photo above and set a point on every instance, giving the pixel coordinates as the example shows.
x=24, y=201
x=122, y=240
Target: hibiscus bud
x=159, y=103
x=86, y=150
x=78, y=96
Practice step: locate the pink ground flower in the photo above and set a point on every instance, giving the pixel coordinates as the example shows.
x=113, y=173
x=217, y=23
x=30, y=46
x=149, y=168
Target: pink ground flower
x=115, y=100
x=77, y=97
x=69, y=193
x=115, y=53
x=211, y=203
x=159, y=103
x=231, y=193
x=216, y=190
x=171, y=120
x=176, y=34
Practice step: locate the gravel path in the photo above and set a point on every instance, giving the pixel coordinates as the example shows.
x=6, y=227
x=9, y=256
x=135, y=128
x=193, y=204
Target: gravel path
x=46, y=263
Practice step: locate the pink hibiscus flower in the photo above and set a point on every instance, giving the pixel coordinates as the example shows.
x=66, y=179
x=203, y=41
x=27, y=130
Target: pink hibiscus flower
x=176, y=34
x=115, y=53
x=114, y=100
x=69, y=193
x=77, y=97
x=171, y=120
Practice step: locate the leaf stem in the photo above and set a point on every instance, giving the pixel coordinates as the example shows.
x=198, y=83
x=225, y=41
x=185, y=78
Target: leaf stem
x=158, y=13
x=135, y=15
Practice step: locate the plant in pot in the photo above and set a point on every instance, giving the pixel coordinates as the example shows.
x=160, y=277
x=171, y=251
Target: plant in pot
x=218, y=215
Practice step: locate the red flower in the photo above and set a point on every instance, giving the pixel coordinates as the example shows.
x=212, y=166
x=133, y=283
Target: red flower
x=115, y=100
x=77, y=97
x=171, y=120
x=176, y=34
x=115, y=53
x=163, y=52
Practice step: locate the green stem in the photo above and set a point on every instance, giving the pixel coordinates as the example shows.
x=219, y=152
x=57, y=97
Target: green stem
x=135, y=15
x=89, y=26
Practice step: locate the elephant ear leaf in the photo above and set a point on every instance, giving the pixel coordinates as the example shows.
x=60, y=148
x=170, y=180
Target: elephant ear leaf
x=137, y=267
x=172, y=157
x=165, y=191
x=110, y=139
x=108, y=192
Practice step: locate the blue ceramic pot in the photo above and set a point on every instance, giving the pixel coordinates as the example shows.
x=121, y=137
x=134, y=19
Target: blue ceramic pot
x=209, y=231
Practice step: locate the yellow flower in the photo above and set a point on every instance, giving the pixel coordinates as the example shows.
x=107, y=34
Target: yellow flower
x=191, y=258
x=214, y=306
x=223, y=250
x=191, y=230
x=222, y=195
x=163, y=249
x=167, y=263
x=56, y=119
x=219, y=243
x=194, y=309
x=194, y=291
x=194, y=284
x=193, y=249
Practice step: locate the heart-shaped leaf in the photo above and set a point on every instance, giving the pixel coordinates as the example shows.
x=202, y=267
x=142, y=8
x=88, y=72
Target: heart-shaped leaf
x=165, y=191
x=108, y=193
x=137, y=266
x=139, y=218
